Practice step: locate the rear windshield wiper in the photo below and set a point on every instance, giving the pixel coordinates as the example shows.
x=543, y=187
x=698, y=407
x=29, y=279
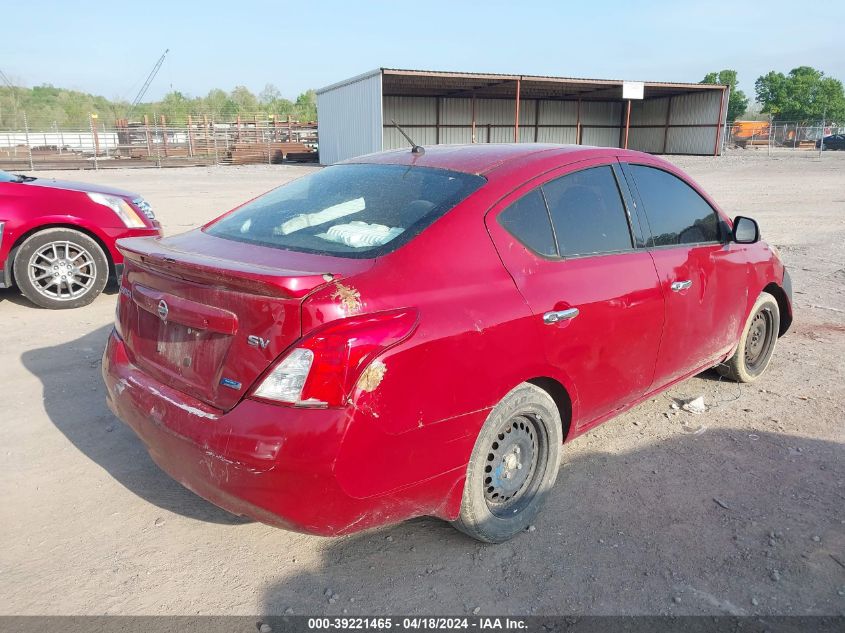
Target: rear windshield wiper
x=23, y=178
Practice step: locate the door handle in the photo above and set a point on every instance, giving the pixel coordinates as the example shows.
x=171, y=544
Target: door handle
x=560, y=315
x=677, y=286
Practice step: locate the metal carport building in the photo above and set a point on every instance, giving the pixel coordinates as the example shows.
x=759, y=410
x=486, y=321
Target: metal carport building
x=355, y=116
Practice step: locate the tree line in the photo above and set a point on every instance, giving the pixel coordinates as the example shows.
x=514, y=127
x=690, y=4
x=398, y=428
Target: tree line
x=47, y=106
x=804, y=94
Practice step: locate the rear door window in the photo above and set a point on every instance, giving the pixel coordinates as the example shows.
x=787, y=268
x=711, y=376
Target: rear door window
x=676, y=212
x=587, y=213
x=350, y=210
x=527, y=220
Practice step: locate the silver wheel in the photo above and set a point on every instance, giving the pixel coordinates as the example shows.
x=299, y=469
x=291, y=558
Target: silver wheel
x=62, y=271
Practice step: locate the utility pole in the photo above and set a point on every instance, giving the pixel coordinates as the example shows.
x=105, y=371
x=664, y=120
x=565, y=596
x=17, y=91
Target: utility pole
x=821, y=137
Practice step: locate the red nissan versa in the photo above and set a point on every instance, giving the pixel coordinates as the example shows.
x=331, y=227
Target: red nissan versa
x=412, y=334
x=57, y=238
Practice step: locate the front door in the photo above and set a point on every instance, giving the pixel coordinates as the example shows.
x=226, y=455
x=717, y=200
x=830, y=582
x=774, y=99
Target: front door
x=702, y=274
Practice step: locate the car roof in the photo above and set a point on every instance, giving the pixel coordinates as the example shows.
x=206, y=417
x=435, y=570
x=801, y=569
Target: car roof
x=480, y=158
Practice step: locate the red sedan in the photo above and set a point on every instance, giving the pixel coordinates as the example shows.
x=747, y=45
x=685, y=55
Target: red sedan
x=413, y=334
x=57, y=238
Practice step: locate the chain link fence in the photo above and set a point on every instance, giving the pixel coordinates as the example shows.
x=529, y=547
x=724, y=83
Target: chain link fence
x=153, y=142
x=778, y=136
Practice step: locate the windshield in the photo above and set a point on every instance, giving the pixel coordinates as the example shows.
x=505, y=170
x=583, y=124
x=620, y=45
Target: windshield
x=348, y=210
x=7, y=177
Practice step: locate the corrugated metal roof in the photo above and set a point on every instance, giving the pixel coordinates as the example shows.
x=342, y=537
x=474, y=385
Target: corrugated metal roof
x=470, y=75
x=435, y=83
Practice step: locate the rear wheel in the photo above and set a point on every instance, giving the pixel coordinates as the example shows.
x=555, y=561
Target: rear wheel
x=513, y=466
x=61, y=268
x=756, y=344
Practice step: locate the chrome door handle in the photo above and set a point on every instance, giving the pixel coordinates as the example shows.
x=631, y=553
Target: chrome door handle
x=677, y=286
x=560, y=315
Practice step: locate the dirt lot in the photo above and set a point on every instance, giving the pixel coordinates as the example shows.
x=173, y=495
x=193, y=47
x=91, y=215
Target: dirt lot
x=745, y=517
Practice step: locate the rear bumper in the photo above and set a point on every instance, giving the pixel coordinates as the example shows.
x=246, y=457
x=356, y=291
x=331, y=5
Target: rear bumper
x=271, y=463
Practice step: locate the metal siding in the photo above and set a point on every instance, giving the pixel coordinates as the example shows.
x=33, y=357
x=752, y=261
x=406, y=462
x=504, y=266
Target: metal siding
x=600, y=113
x=393, y=139
x=564, y=135
x=600, y=136
x=696, y=108
x=456, y=111
x=691, y=140
x=649, y=111
x=558, y=112
x=410, y=110
x=349, y=120
x=500, y=134
x=646, y=139
x=495, y=111
x=458, y=135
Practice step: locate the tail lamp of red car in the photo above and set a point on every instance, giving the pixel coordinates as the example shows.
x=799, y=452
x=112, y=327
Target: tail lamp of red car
x=321, y=370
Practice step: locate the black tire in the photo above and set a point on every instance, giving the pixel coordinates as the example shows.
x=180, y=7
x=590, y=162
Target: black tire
x=525, y=416
x=61, y=269
x=756, y=344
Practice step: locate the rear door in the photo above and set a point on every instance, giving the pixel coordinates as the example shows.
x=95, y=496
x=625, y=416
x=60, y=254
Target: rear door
x=703, y=276
x=569, y=244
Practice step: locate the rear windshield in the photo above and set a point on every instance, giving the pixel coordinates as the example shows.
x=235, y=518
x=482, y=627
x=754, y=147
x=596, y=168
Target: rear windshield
x=348, y=210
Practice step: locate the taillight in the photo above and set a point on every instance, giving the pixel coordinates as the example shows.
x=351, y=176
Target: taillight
x=322, y=369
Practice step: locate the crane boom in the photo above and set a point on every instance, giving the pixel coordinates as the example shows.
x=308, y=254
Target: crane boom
x=5, y=79
x=149, y=80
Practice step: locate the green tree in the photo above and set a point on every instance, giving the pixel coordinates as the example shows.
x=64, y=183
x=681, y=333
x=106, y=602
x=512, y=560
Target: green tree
x=305, y=107
x=269, y=94
x=738, y=102
x=803, y=95
x=245, y=100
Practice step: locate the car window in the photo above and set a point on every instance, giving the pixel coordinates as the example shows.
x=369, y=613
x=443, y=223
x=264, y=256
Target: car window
x=587, y=212
x=676, y=212
x=351, y=210
x=527, y=220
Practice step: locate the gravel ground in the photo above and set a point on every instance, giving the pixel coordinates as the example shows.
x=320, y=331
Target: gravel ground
x=745, y=517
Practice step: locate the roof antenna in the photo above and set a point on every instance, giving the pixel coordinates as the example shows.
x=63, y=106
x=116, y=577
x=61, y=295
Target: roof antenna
x=415, y=149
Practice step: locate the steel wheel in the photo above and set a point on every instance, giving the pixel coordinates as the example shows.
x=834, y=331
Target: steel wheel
x=62, y=271
x=512, y=463
x=759, y=340
x=756, y=344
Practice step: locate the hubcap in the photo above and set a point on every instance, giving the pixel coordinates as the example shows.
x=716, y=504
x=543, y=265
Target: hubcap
x=758, y=340
x=511, y=466
x=62, y=271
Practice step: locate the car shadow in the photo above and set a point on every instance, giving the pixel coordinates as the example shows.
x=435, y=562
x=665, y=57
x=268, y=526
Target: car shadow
x=75, y=401
x=13, y=295
x=724, y=523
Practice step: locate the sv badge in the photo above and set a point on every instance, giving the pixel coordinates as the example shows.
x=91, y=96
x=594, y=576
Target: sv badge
x=257, y=341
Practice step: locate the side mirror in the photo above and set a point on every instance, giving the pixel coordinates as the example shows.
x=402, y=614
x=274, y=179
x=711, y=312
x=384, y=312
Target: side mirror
x=745, y=230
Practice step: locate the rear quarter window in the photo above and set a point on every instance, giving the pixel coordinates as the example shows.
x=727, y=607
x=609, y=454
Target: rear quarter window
x=354, y=210
x=527, y=220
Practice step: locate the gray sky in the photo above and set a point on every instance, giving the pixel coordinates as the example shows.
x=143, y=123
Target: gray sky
x=108, y=48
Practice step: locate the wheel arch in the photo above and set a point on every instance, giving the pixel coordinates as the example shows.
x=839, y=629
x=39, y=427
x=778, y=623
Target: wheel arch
x=561, y=398
x=784, y=307
x=10, y=260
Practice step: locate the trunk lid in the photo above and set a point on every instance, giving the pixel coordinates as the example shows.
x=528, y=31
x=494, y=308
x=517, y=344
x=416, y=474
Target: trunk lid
x=208, y=315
